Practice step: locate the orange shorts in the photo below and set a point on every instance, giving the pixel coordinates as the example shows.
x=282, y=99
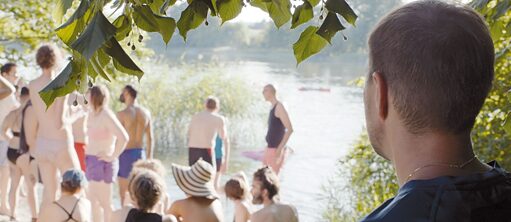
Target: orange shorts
x=80, y=151
x=270, y=159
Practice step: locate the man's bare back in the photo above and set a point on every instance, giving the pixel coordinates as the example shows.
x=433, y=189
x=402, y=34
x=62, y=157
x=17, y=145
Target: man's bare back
x=276, y=213
x=136, y=120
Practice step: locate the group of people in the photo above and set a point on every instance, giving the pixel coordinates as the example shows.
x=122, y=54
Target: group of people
x=431, y=66
x=77, y=148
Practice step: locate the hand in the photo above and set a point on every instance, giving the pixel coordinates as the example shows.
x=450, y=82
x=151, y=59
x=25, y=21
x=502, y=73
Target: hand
x=108, y=158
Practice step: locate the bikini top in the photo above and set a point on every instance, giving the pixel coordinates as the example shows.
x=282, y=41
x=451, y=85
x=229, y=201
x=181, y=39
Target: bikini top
x=69, y=214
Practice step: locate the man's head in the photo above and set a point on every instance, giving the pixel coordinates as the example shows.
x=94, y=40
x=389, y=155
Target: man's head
x=128, y=95
x=431, y=66
x=269, y=92
x=265, y=185
x=8, y=71
x=212, y=103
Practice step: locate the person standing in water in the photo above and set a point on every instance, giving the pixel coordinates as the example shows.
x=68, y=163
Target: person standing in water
x=54, y=149
x=137, y=122
x=202, y=132
x=8, y=103
x=107, y=141
x=18, y=155
x=279, y=131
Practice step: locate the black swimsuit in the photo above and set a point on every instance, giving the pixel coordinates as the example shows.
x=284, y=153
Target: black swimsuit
x=136, y=215
x=69, y=214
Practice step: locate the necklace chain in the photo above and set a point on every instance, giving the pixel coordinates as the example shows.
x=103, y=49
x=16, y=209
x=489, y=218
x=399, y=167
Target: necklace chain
x=450, y=165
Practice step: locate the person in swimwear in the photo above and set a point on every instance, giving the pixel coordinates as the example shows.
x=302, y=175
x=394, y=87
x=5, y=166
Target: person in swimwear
x=204, y=127
x=147, y=189
x=8, y=103
x=137, y=122
x=9, y=72
x=279, y=131
x=238, y=191
x=18, y=155
x=72, y=206
x=54, y=149
x=107, y=140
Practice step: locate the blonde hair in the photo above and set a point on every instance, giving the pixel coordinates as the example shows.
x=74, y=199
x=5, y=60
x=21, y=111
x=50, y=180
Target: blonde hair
x=146, y=189
x=154, y=165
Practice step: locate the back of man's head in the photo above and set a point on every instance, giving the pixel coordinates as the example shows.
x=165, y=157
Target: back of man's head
x=212, y=103
x=437, y=60
x=131, y=91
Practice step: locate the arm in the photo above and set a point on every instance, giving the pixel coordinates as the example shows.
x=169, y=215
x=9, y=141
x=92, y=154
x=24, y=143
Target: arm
x=113, y=124
x=60, y=108
x=149, y=137
x=7, y=88
x=31, y=124
x=175, y=209
x=225, y=139
x=281, y=113
x=7, y=125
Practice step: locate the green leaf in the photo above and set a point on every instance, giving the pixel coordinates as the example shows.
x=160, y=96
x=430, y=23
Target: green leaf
x=96, y=64
x=229, y=9
x=62, y=85
x=478, y=4
x=211, y=5
x=97, y=32
x=166, y=5
x=342, y=8
x=121, y=60
x=507, y=125
x=303, y=14
x=192, y=17
x=330, y=27
x=76, y=23
x=501, y=9
x=279, y=10
x=61, y=8
x=313, y=2
x=146, y=20
x=123, y=25
x=308, y=44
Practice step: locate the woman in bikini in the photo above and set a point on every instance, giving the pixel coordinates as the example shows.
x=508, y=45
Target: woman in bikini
x=17, y=153
x=71, y=207
x=107, y=140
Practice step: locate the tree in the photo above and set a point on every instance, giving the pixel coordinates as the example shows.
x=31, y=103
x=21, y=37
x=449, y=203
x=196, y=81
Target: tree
x=95, y=41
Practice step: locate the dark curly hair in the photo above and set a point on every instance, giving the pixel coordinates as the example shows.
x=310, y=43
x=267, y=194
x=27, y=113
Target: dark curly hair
x=269, y=181
x=46, y=56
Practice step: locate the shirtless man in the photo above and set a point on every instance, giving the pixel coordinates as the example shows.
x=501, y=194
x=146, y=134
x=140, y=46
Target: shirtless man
x=137, y=122
x=8, y=103
x=202, y=133
x=279, y=131
x=54, y=141
x=265, y=189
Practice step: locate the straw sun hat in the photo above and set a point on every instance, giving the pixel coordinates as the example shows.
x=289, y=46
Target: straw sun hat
x=196, y=180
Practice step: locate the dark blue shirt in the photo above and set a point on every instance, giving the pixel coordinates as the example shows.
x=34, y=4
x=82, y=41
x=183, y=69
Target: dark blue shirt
x=477, y=197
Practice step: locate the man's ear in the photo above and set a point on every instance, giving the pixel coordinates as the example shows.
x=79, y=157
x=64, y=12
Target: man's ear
x=382, y=102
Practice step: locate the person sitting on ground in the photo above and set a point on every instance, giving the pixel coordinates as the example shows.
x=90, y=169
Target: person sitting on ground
x=72, y=206
x=146, y=188
x=237, y=190
x=18, y=155
x=265, y=190
x=431, y=68
x=156, y=166
x=202, y=203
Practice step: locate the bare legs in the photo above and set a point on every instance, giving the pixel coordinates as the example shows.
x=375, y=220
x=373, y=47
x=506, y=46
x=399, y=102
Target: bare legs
x=101, y=200
x=4, y=185
x=123, y=188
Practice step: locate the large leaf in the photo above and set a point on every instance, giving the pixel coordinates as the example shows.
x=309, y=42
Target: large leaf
x=313, y=2
x=96, y=64
x=279, y=10
x=75, y=24
x=192, y=17
x=229, y=9
x=308, y=44
x=166, y=5
x=302, y=14
x=211, y=5
x=330, y=27
x=148, y=21
x=342, y=8
x=123, y=26
x=121, y=60
x=61, y=8
x=62, y=85
x=97, y=32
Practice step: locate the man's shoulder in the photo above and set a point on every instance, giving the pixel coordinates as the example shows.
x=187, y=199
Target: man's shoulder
x=144, y=111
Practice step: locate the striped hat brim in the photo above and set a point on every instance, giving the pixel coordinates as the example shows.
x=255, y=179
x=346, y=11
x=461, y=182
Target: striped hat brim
x=194, y=181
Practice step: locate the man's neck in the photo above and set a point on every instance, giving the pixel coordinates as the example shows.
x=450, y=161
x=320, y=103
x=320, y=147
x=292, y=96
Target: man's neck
x=48, y=73
x=267, y=202
x=273, y=101
x=130, y=103
x=422, y=155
